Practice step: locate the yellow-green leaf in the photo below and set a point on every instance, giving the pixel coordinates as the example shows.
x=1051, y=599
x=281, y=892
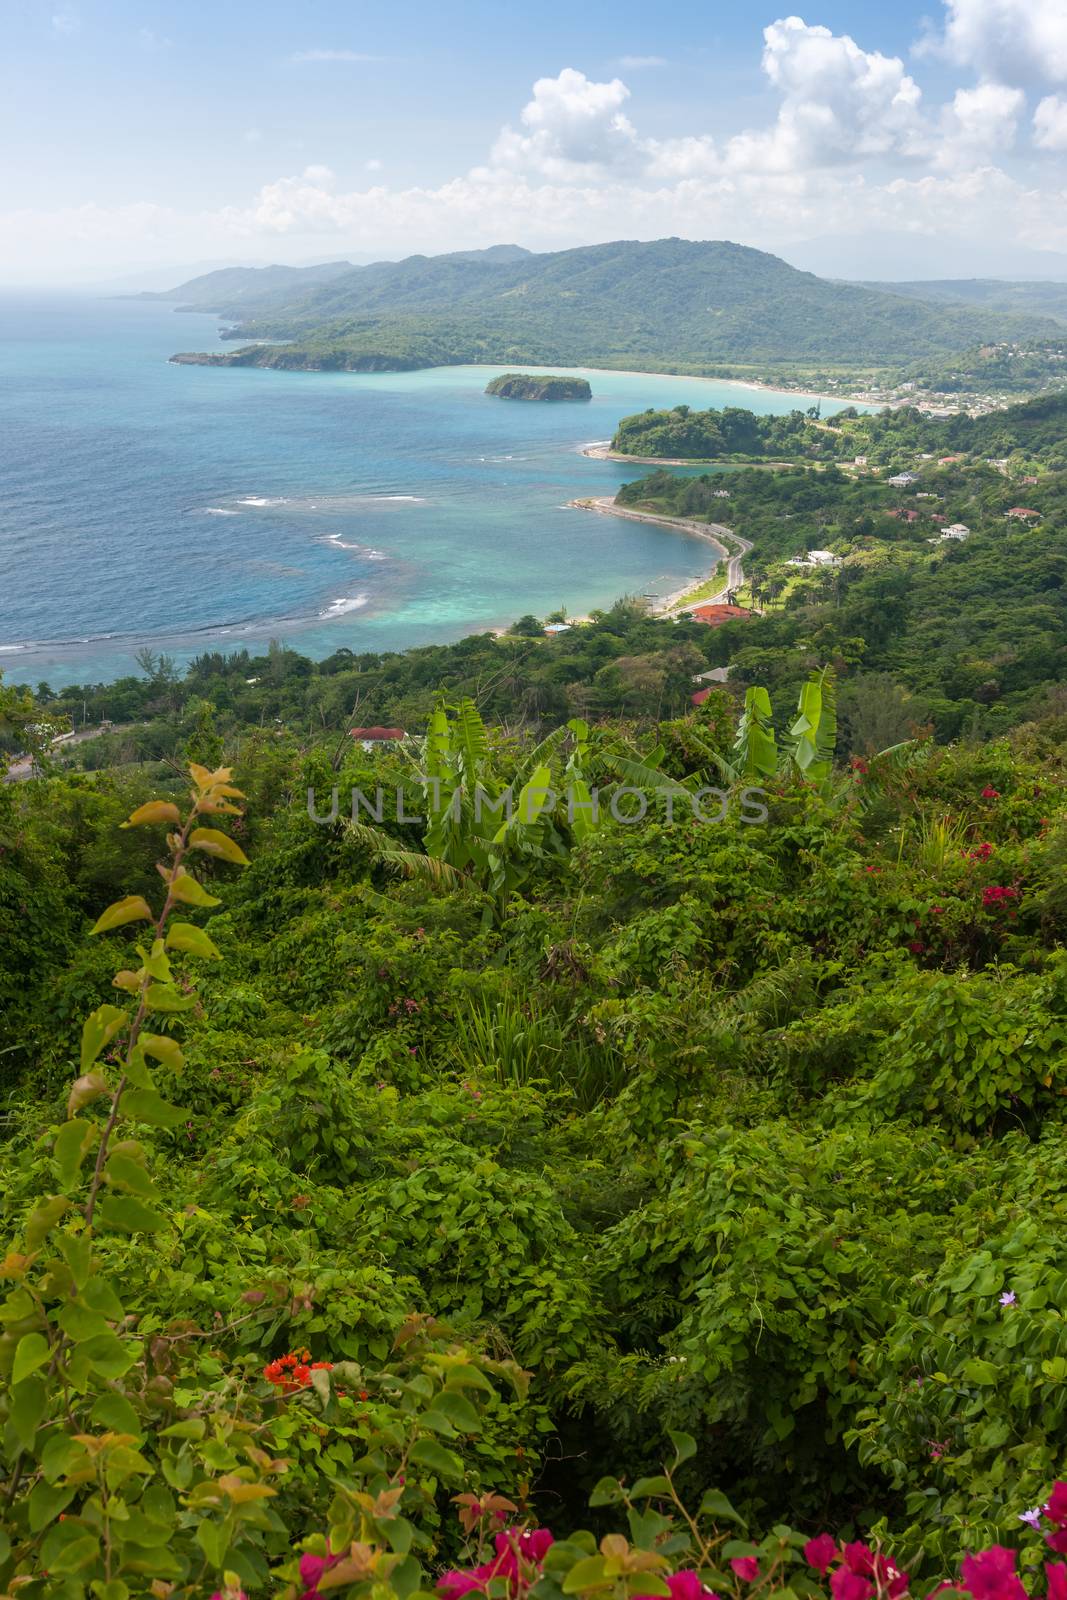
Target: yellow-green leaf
x=90, y=1086
x=99, y=1028
x=215, y=843
x=31, y=1352
x=122, y=1172
x=165, y=997
x=73, y=1142
x=153, y=811
x=185, y=936
x=161, y=1048
x=126, y=1214
x=43, y=1218
x=144, y=1105
x=134, y=908
x=185, y=889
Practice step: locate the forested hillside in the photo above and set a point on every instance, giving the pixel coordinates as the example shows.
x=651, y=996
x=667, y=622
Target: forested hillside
x=675, y=302
x=1033, y=431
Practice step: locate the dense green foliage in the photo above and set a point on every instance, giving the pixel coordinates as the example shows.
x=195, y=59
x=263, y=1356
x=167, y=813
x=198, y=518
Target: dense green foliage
x=526, y=386
x=583, y=1081
x=1031, y=432
x=734, y=1129
x=671, y=304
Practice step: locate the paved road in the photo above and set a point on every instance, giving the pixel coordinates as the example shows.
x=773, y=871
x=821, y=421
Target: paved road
x=19, y=771
x=714, y=532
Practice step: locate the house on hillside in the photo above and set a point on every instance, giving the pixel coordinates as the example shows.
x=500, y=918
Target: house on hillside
x=903, y=480
x=955, y=530
x=552, y=628
x=1022, y=512
x=370, y=737
x=947, y=461
x=715, y=616
x=816, y=558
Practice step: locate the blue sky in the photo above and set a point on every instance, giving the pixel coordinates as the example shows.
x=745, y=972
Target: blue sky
x=150, y=133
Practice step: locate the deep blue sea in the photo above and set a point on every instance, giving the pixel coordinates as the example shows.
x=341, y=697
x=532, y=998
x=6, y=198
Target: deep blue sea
x=191, y=508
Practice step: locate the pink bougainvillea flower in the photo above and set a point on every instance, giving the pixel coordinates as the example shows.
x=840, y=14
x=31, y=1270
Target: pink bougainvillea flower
x=1056, y=1579
x=821, y=1552
x=312, y=1568
x=848, y=1585
x=1056, y=1507
x=687, y=1586
x=746, y=1568
x=989, y=793
x=991, y=1575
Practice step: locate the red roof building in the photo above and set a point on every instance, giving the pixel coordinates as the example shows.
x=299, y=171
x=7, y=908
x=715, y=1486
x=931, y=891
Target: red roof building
x=715, y=616
x=377, y=735
x=1021, y=511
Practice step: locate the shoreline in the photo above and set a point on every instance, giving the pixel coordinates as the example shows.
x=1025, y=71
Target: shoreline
x=712, y=533
x=600, y=450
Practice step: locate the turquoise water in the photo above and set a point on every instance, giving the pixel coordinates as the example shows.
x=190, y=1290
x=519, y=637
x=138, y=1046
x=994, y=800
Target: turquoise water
x=191, y=508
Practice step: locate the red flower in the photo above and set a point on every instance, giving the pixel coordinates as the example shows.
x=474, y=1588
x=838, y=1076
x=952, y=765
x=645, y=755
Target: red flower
x=995, y=894
x=989, y=793
x=1056, y=1576
x=746, y=1567
x=846, y=1585
x=821, y=1553
x=991, y=1575
x=311, y=1570
x=1056, y=1509
x=916, y=947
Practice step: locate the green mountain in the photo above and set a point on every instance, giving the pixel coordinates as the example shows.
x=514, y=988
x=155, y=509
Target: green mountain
x=240, y=288
x=673, y=303
x=1038, y=299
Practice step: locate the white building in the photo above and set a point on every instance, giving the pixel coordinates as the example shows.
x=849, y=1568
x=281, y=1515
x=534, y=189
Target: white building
x=903, y=480
x=816, y=558
x=956, y=530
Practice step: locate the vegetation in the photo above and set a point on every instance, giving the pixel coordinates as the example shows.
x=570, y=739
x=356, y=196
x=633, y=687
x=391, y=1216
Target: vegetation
x=731, y=1141
x=523, y=386
x=667, y=305
x=587, y=1112
x=1031, y=432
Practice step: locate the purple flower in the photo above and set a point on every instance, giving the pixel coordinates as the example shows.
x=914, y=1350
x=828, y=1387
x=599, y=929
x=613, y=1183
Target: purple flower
x=1031, y=1518
x=1008, y=1297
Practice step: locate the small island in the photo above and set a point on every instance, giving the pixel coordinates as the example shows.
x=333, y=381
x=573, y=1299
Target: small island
x=525, y=386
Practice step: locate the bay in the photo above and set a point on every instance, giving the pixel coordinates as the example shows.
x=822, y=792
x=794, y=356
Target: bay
x=195, y=508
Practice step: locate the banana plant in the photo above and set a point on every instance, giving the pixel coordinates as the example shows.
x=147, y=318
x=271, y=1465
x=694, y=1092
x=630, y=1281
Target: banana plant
x=490, y=834
x=813, y=735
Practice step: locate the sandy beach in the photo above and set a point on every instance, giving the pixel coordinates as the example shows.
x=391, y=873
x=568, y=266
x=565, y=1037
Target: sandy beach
x=712, y=532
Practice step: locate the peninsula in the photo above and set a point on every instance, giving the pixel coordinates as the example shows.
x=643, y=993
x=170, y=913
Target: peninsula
x=527, y=386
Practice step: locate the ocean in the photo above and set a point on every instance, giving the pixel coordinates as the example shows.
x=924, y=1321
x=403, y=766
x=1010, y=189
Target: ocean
x=192, y=508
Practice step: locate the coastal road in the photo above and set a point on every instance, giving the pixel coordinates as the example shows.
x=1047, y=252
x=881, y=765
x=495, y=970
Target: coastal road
x=20, y=771
x=715, y=534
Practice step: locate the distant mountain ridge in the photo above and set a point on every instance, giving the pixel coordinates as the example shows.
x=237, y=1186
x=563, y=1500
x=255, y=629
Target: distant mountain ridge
x=680, y=303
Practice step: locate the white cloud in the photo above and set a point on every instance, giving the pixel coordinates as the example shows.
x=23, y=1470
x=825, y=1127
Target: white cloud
x=1014, y=41
x=1050, y=123
x=849, y=152
x=333, y=55
x=979, y=124
x=64, y=23
x=635, y=63
x=573, y=126
x=252, y=136
x=840, y=103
